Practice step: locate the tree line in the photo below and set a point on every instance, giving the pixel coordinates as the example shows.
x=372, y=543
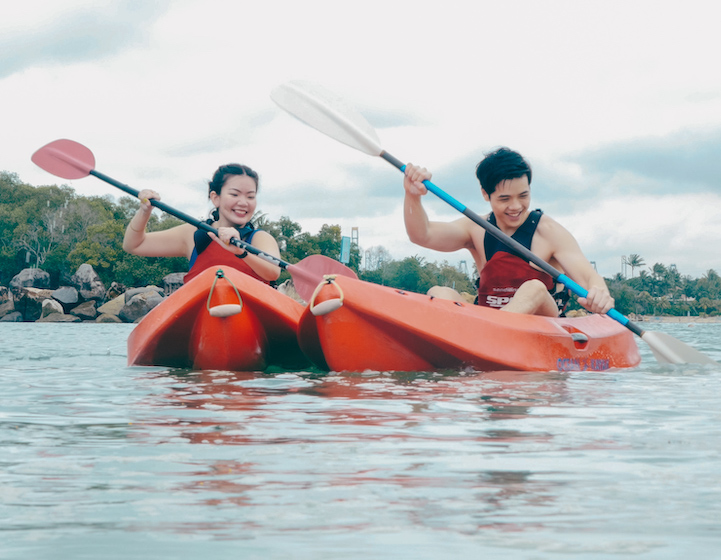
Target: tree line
x=663, y=290
x=57, y=230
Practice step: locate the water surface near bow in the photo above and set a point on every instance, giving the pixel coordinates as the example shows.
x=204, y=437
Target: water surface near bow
x=98, y=460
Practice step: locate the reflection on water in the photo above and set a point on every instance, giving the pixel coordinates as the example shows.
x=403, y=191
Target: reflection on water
x=421, y=405
x=425, y=446
x=101, y=460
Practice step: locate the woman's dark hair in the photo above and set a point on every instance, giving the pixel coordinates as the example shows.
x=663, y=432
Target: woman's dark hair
x=500, y=165
x=225, y=171
x=221, y=175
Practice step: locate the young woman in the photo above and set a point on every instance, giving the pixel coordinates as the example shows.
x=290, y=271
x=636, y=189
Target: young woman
x=233, y=192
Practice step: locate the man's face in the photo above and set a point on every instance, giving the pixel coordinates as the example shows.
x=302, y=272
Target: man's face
x=510, y=202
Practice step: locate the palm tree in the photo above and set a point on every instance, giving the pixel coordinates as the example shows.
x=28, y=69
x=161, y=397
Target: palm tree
x=260, y=220
x=635, y=261
x=645, y=278
x=710, y=285
x=659, y=273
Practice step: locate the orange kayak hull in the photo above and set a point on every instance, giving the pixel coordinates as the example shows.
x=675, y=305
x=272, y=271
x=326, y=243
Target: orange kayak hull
x=249, y=333
x=357, y=326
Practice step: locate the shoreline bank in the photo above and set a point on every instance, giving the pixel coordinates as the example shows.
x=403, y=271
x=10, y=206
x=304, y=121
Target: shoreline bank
x=675, y=319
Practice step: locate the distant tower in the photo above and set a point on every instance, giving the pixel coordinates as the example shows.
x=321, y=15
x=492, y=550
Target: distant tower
x=354, y=236
x=463, y=267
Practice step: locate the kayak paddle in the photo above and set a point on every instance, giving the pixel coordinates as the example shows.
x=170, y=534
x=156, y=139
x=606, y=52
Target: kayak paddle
x=70, y=160
x=331, y=115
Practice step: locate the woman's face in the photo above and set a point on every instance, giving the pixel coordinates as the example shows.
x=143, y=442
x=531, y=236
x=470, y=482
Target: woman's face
x=236, y=203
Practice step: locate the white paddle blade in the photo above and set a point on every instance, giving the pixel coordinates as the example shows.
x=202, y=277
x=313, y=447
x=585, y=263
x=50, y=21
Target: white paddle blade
x=327, y=113
x=669, y=350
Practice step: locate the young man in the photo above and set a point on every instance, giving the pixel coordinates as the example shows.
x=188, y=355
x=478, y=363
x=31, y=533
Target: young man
x=506, y=281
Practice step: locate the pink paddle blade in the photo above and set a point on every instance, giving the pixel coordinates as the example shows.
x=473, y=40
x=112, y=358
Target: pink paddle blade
x=309, y=272
x=66, y=159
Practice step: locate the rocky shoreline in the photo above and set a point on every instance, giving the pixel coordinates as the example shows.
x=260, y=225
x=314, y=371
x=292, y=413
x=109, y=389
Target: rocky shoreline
x=84, y=298
x=30, y=298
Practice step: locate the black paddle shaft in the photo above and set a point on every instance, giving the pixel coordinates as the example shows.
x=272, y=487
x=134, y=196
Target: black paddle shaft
x=200, y=224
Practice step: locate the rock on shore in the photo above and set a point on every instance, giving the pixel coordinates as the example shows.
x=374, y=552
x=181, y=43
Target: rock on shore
x=31, y=298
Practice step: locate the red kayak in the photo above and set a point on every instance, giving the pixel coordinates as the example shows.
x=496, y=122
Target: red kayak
x=352, y=325
x=223, y=320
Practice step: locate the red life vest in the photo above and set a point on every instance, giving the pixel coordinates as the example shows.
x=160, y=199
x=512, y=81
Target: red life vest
x=504, y=272
x=214, y=255
x=503, y=275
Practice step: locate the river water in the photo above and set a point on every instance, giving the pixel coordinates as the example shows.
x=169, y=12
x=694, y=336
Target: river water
x=99, y=460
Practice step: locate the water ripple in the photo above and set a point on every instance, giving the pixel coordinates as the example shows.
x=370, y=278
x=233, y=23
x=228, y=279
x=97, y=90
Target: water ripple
x=102, y=460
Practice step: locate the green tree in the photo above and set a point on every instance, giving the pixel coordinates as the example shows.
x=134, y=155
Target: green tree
x=635, y=261
x=659, y=275
x=644, y=303
x=411, y=275
x=709, y=285
x=705, y=303
x=102, y=249
x=376, y=257
x=449, y=275
x=53, y=227
x=623, y=294
x=283, y=230
x=643, y=282
x=328, y=241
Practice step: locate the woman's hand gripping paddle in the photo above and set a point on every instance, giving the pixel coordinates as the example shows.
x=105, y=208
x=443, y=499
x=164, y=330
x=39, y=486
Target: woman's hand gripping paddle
x=332, y=116
x=71, y=160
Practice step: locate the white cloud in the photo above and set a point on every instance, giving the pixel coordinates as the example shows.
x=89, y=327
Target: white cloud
x=683, y=229
x=191, y=92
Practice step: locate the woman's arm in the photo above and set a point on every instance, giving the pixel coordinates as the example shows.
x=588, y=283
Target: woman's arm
x=173, y=242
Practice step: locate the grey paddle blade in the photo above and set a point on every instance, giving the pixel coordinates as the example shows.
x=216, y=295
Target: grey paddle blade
x=670, y=350
x=327, y=113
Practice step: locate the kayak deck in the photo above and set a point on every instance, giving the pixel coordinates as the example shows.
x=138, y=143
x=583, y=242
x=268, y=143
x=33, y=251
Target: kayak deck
x=357, y=326
x=244, y=331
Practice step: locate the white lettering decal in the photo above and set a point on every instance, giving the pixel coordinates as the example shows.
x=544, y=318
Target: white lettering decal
x=497, y=301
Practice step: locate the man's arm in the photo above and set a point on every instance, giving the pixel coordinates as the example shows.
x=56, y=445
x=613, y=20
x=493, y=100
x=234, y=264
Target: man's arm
x=439, y=236
x=576, y=266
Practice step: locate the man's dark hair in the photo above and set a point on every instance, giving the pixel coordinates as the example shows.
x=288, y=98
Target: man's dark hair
x=500, y=165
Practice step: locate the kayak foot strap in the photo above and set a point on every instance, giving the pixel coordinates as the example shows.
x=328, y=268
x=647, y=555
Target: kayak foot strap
x=330, y=304
x=226, y=309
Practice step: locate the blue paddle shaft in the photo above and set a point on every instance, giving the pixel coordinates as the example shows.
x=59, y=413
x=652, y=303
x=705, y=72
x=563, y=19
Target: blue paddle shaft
x=522, y=251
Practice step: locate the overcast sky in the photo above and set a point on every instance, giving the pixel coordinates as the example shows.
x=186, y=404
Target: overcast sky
x=616, y=104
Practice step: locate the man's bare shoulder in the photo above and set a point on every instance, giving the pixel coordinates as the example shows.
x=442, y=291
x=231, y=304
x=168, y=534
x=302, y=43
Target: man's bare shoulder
x=556, y=238
x=549, y=228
